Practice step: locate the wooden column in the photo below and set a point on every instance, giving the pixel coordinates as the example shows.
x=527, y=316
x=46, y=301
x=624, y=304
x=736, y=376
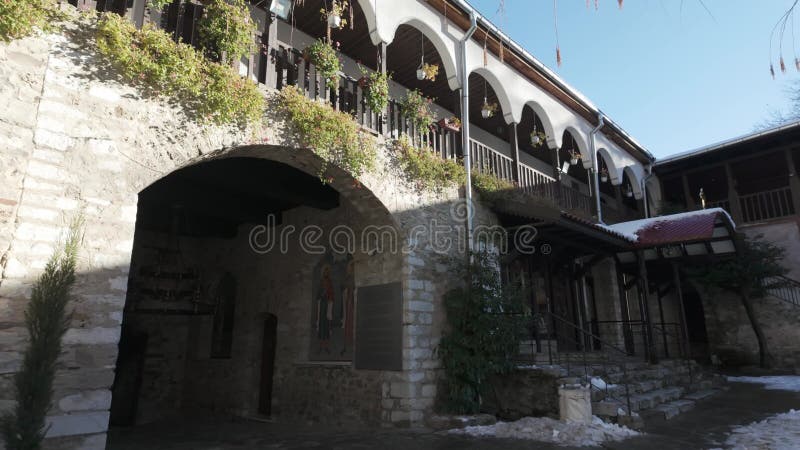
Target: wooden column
x=733, y=196
x=271, y=33
x=513, y=141
x=382, y=47
x=136, y=13
x=644, y=309
x=676, y=276
x=556, y=163
x=794, y=181
x=625, y=313
x=691, y=205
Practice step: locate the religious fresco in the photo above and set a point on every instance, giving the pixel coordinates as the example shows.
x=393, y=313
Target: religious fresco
x=332, y=309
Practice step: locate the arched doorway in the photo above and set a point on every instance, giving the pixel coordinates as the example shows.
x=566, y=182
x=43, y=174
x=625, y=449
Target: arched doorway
x=242, y=293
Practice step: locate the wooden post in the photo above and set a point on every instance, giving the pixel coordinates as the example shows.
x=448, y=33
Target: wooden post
x=556, y=164
x=687, y=194
x=733, y=196
x=625, y=312
x=794, y=181
x=136, y=13
x=676, y=276
x=644, y=309
x=514, y=144
x=272, y=38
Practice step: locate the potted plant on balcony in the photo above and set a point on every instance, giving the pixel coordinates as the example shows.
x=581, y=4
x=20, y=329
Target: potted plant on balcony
x=376, y=89
x=324, y=58
x=488, y=109
x=417, y=108
x=451, y=123
x=158, y=4
x=604, y=175
x=335, y=17
x=574, y=157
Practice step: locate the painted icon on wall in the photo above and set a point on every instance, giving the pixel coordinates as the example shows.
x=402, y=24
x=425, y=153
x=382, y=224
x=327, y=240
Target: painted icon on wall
x=333, y=309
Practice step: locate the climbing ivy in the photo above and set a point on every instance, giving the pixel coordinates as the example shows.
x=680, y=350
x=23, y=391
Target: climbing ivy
x=19, y=18
x=490, y=186
x=151, y=59
x=333, y=135
x=486, y=320
x=426, y=169
x=158, y=4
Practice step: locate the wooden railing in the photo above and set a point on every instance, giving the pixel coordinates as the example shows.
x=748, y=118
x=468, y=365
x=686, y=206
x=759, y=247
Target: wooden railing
x=766, y=205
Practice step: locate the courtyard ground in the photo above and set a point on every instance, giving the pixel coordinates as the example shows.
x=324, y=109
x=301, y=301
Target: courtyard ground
x=710, y=424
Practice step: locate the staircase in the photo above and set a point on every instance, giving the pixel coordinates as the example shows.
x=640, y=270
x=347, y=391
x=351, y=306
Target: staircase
x=654, y=391
x=625, y=388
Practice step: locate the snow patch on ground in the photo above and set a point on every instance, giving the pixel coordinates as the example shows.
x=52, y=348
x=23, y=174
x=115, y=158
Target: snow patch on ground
x=779, y=432
x=601, y=384
x=545, y=429
x=778, y=383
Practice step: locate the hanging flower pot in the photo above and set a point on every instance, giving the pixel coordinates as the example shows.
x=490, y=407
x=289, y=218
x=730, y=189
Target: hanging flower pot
x=363, y=82
x=420, y=74
x=604, y=175
x=628, y=192
x=334, y=21
x=537, y=138
x=488, y=109
x=573, y=158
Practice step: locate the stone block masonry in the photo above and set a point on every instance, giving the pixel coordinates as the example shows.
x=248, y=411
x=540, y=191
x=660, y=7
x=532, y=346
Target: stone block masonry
x=78, y=142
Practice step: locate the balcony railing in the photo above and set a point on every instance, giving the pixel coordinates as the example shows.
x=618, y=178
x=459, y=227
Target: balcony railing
x=766, y=205
x=277, y=65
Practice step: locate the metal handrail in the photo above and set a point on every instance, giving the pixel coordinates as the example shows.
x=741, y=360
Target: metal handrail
x=588, y=334
x=783, y=288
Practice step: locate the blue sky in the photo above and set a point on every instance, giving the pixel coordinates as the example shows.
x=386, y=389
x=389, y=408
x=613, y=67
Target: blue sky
x=675, y=79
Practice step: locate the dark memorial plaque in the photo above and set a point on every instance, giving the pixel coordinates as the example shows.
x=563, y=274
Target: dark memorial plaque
x=379, y=327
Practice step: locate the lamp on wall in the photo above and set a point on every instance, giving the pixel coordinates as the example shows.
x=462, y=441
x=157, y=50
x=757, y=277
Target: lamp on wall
x=281, y=8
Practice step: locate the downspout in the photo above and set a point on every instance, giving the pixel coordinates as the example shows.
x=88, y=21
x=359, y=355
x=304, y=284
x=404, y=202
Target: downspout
x=473, y=25
x=596, y=166
x=644, y=190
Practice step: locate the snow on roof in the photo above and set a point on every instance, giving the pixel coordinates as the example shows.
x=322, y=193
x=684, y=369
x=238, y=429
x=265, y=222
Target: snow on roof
x=673, y=228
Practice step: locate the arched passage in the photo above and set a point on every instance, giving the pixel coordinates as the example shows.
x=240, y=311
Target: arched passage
x=244, y=263
x=404, y=41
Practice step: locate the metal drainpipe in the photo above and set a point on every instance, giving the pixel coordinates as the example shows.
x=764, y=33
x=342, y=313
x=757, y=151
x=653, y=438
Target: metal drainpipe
x=596, y=166
x=644, y=191
x=465, y=124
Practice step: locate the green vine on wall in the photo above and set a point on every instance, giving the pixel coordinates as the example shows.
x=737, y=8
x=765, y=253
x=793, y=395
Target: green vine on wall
x=150, y=58
x=159, y=4
x=417, y=108
x=19, y=18
x=426, y=169
x=226, y=29
x=489, y=186
x=376, y=89
x=332, y=135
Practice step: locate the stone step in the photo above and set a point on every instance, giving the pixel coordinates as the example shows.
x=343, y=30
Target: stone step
x=668, y=410
x=702, y=394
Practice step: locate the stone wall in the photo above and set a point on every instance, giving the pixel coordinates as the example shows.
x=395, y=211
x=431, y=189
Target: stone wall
x=78, y=141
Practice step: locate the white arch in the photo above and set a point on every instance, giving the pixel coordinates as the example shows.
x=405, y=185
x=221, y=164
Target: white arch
x=636, y=182
x=499, y=90
x=445, y=51
x=580, y=141
x=549, y=130
x=614, y=173
x=372, y=25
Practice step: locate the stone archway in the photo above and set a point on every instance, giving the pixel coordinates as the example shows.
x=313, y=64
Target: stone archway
x=210, y=221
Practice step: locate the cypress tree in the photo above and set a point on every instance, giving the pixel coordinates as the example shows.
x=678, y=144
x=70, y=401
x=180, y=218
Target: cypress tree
x=46, y=320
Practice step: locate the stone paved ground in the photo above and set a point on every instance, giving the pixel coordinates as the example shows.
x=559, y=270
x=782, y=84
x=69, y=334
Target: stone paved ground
x=704, y=427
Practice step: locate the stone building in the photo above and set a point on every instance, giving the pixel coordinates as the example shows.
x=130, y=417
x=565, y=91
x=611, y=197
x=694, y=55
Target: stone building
x=754, y=178
x=211, y=276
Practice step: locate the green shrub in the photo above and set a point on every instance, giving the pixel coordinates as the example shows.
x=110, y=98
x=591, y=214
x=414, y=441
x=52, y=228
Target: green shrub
x=150, y=58
x=490, y=186
x=486, y=321
x=46, y=320
x=333, y=135
x=426, y=169
x=324, y=58
x=226, y=29
x=18, y=18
